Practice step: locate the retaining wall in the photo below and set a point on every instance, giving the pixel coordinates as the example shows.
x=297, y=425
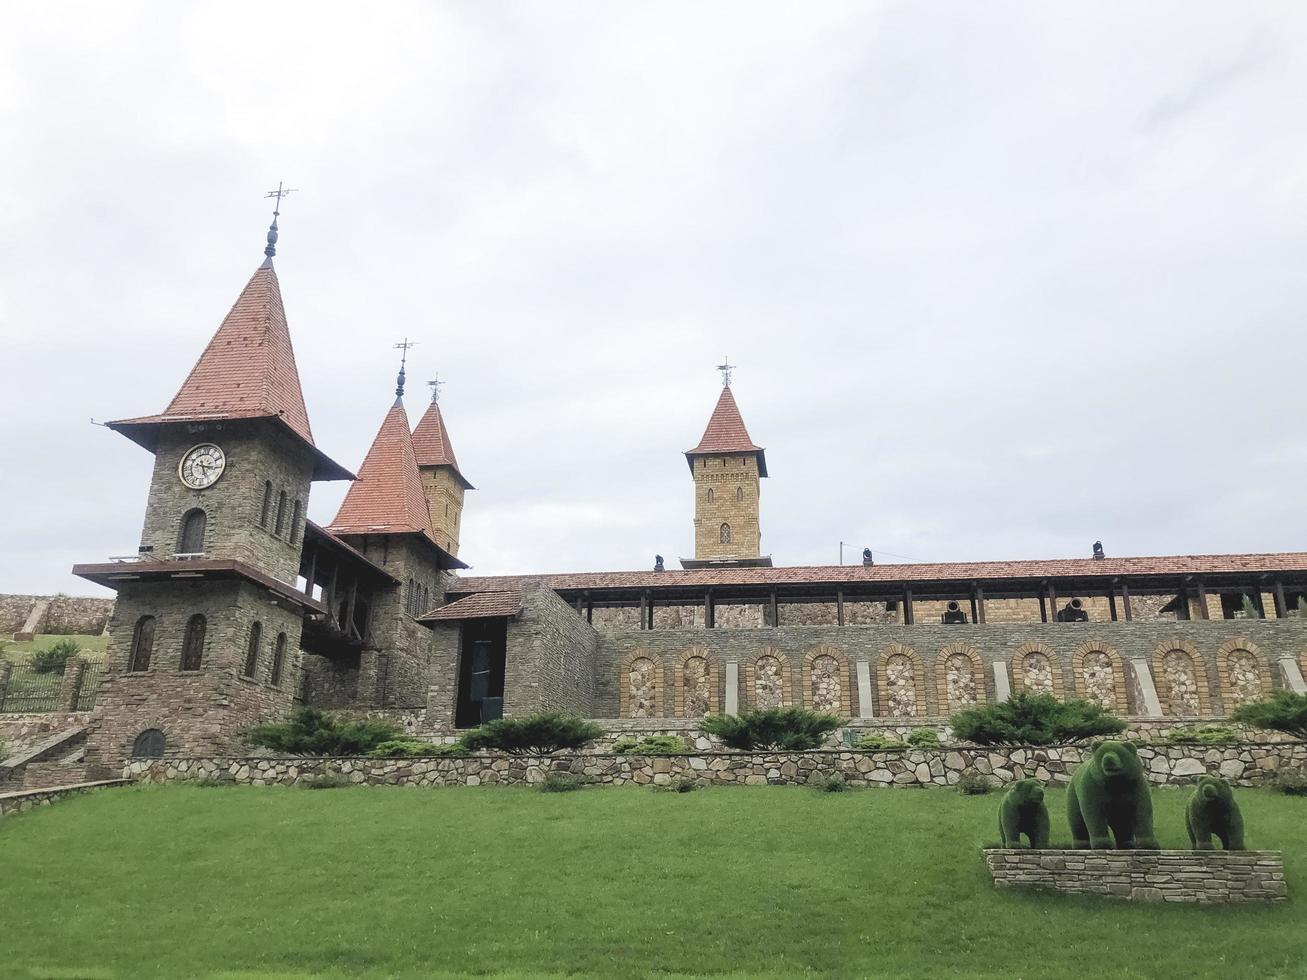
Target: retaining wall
x=18, y=802
x=1202, y=877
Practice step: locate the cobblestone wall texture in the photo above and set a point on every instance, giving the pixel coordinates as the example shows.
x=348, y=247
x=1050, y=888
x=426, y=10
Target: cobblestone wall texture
x=81, y=615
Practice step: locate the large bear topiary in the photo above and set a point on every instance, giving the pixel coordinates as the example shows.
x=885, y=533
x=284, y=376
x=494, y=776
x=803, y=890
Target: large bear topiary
x=1023, y=812
x=1109, y=798
x=1212, y=810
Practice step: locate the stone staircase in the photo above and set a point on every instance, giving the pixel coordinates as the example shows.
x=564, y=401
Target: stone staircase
x=57, y=759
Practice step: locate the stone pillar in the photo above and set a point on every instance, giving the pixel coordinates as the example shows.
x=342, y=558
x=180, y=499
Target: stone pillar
x=5, y=668
x=71, y=688
x=1292, y=675
x=866, y=708
x=732, y=704
x=1147, y=691
x=1002, y=685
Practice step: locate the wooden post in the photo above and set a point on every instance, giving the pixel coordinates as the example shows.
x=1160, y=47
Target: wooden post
x=709, y=611
x=1111, y=604
x=1202, y=601
x=1043, y=608
x=578, y=604
x=775, y=610
x=589, y=609
x=644, y=610
x=1281, y=607
x=839, y=607
x=348, y=625
x=1125, y=601
x=1052, y=602
x=649, y=608
x=907, y=607
x=312, y=573
x=975, y=612
x=331, y=592
x=980, y=604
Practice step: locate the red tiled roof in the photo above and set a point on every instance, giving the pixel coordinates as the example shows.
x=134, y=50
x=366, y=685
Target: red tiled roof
x=481, y=605
x=387, y=497
x=726, y=433
x=854, y=574
x=248, y=370
x=431, y=443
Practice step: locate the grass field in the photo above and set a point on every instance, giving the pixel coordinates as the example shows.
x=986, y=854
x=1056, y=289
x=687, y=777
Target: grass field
x=776, y=882
x=93, y=647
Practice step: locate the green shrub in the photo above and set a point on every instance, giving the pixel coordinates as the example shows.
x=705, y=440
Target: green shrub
x=1202, y=734
x=1290, y=782
x=561, y=782
x=1248, y=608
x=682, y=784
x=54, y=658
x=538, y=734
x=1283, y=711
x=651, y=745
x=314, y=732
x=214, y=782
x=328, y=780
x=974, y=784
x=413, y=748
x=788, y=729
x=834, y=783
x=1033, y=719
x=875, y=741
x=924, y=738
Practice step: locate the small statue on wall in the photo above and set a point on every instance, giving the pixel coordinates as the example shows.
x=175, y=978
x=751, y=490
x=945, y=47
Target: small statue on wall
x=1023, y=812
x=1108, y=798
x=1211, y=811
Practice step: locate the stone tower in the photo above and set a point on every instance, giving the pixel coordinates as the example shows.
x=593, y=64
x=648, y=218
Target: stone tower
x=204, y=639
x=727, y=468
x=442, y=482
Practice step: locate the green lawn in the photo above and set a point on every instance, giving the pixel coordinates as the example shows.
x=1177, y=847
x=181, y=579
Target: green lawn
x=276, y=882
x=93, y=647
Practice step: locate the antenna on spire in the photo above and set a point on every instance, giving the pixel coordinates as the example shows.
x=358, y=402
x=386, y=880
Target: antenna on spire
x=404, y=346
x=282, y=190
x=435, y=384
x=726, y=367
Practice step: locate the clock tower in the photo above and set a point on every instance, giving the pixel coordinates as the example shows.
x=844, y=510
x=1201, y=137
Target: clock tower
x=204, y=640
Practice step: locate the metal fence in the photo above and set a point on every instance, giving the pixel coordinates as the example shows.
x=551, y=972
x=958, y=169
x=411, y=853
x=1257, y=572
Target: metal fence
x=90, y=685
x=30, y=690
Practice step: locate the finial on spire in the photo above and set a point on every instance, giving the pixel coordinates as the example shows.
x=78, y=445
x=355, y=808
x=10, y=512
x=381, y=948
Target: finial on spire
x=403, y=360
x=435, y=384
x=271, y=249
x=726, y=367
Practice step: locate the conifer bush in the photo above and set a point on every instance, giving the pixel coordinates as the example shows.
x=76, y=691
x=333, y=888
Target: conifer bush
x=1202, y=735
x=772, y=729
x=974, y=784
x=651, y=745
x=413, y=748
x=1283, y=711
x=538, y=734
x=54, y=658
x=1033, y=719
x=924, y=738
x=314, y=732
x=876, y=741
x=561, y=782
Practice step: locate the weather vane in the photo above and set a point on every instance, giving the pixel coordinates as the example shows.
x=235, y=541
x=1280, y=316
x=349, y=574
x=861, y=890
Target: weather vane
x=726, y=367
x=282, y=190
x=405, y=345
x=435, y=384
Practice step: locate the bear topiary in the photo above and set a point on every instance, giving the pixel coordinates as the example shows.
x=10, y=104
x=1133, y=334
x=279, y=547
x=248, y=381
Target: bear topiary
x=1212, y=810
x=1109, y=793
x=1023, y=812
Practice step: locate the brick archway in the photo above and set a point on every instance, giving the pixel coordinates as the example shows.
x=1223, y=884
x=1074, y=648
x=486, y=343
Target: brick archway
x=781, y=674
x=1086, y=664
x=949, y=687
x=641, y=696
x=1165, y=680
x=1234, y=659
x=696, y=683
x=817, y=671
x=1026, y=661
x=893, y=694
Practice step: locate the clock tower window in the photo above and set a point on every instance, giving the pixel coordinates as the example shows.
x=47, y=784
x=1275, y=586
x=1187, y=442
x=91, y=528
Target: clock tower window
x=265, y=514
x=281, y=514
x=191, y=539
x=193, y=645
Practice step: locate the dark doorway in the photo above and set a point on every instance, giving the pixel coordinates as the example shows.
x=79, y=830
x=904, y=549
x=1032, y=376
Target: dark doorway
x=481, y=671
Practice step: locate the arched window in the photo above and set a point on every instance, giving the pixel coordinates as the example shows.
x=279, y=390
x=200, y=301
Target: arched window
x=252, y=654
x=149, y=744
x=281, y=514
x=295, y=515
x=191, y=539
x=726, y=534
x=278, y=660
x=142, y=644
x=193, y=644
x=739, y=493
x=710, y=495
x=265, y=514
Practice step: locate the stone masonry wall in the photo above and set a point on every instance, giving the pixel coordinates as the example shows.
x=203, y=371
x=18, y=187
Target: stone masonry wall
x=1248, y=765
x=81, y=615
x=550, y=663
x=11, y=803
x=1202, y=877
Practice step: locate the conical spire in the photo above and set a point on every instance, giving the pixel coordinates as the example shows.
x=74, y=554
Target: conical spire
x=432, y=445
x=726, y=433
x=387, y=497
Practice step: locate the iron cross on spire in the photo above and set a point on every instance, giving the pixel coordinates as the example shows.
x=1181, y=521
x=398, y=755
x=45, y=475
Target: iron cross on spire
x=405, y=345
x=726, y=367
x=282, y=190
x=435, y=384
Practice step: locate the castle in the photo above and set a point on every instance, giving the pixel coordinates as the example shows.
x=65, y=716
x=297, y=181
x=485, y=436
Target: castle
x=237, y=607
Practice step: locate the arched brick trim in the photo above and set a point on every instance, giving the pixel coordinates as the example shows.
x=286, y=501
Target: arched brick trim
x=947, y=704
x=885, y=692
x=788, y=695
x=1162, y=682
x=625, y=697
x=683, y=691
x=1232, y=687
x=1019, y=667
x=841, y=673
x=1120, y=704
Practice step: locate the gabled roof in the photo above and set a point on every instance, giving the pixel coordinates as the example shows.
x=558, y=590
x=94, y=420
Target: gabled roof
x=726, y=434
x=481, y=605
x=387, y=497
x=432, y=446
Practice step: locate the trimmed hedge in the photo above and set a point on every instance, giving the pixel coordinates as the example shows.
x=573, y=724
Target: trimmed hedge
x=789, y=729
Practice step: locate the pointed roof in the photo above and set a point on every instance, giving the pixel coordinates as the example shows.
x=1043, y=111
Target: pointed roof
x=726, y=434
x=432, y=446
x=387, y=497
x=246, y=372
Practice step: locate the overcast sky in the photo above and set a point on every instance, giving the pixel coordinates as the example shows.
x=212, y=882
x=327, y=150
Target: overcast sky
x=1000, y=278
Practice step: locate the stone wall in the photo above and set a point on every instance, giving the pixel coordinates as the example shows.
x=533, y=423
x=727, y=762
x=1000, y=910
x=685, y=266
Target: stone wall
x=81, y=615
x=550, y=663
x=1248, y=765
x=733, y=485
x=1202, y=877
x=20, y=730
x=11, y=803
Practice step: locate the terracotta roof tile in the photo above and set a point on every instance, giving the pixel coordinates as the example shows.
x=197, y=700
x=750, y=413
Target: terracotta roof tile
x=726, y=433
x=944, y=572
x=481, y=605
x=431, y=443
x=387, y=497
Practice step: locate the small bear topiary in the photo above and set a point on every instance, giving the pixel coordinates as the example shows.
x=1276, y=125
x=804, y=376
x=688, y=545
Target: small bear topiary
x=1212, y=811
x=1023, y=812
x=1109, y=798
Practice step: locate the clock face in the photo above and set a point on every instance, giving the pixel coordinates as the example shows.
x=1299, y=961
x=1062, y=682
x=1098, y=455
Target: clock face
x=201, y=466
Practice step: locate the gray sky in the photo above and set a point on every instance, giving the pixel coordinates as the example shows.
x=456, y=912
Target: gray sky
x=1000, y=278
